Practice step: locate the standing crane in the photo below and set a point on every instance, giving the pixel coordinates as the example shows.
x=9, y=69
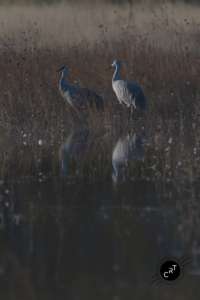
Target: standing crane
x=127, y=93
x=79, y=97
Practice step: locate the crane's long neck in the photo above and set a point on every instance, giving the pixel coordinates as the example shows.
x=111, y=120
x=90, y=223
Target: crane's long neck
x=115, y=76
x=62, y=81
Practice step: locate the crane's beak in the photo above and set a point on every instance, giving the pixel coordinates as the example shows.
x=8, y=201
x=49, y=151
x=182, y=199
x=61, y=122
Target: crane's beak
x=59, y=70
x=108, y=68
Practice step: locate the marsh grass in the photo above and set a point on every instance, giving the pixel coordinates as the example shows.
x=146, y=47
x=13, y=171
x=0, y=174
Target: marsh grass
x=158, y=50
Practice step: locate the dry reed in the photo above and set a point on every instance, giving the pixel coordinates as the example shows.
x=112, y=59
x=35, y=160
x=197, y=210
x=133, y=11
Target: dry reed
x=158, y=48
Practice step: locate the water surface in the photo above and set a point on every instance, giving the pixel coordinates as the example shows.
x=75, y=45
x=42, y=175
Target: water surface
x=89, y=214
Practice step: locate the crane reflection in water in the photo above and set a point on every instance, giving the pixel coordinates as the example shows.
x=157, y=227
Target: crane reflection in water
x=72, y=146
x=125, y=152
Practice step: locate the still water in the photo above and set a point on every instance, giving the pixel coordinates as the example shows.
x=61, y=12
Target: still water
x=89, y=214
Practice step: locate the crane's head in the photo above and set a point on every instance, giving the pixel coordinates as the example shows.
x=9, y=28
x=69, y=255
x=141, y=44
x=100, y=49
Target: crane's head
x=63, y=69
x=116, y=63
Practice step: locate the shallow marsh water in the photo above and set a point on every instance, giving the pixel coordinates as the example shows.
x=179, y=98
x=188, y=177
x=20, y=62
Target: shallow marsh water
x=89, y=214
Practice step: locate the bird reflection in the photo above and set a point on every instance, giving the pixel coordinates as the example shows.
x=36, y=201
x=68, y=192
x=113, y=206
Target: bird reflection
x=126, y=152
x=72, y=145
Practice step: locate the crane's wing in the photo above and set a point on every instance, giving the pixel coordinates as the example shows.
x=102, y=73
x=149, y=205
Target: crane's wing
x=85, y=98
x=131, y=94
x=136, y=95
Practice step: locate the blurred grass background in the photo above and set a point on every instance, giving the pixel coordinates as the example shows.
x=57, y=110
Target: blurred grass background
x=39, y=2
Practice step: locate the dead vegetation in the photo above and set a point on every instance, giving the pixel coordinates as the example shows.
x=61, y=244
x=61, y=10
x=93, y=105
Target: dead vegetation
x=161, y=54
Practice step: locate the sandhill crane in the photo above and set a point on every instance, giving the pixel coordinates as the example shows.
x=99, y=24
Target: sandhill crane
x=79, y=97
x=127, y=93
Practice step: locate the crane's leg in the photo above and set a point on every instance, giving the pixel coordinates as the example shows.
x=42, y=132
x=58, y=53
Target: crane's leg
x=131, y=115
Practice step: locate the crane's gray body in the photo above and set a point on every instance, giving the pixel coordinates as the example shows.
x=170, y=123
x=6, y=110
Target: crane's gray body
x=127, y=93
x=79, y=97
